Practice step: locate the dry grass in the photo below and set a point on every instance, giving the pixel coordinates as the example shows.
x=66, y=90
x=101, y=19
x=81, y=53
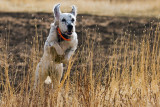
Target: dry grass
x=103, y=7
x=129, y=75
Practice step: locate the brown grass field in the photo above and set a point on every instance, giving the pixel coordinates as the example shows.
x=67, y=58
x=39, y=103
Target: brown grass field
x=117, y=62
x=95, y=7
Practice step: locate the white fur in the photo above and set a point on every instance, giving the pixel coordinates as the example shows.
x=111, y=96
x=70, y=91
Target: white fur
x=65, y=48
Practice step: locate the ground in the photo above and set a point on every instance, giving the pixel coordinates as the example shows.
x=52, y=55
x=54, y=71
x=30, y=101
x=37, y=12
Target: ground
x=21, y=28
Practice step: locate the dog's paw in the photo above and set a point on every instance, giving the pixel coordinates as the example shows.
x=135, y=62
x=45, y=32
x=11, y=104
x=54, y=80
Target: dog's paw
x=48, y=80
x=59, y=51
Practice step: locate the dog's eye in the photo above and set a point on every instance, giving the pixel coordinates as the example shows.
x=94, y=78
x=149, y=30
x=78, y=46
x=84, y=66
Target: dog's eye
x=72, y=20
x=63, y=20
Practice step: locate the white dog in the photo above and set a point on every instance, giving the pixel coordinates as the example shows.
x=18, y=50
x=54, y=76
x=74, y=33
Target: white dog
x=59, y=47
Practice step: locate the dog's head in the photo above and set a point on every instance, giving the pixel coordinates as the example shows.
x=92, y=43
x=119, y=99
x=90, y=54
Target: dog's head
x=65, y=21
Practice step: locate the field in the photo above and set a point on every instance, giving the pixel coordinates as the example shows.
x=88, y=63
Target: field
x=117, y=62
x=147, y=8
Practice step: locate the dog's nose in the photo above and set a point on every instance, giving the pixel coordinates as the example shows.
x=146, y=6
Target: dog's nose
x=70, y=27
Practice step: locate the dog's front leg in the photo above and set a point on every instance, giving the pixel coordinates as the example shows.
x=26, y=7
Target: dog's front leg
x=69, y=52
x=56, y=46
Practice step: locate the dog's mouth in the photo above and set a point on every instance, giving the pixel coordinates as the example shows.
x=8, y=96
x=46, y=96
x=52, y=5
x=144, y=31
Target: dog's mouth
x=69, y=33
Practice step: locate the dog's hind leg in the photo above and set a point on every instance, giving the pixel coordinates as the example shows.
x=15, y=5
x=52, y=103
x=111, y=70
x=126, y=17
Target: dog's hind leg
x=40, y=74
x=37, y=75
x=57, y=75
x=60, y=69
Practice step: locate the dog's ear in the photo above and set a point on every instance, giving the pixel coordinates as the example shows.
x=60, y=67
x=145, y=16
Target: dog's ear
x=57, y=11
x=74, y=10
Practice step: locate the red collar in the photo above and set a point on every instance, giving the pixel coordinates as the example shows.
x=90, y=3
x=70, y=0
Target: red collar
x=61, y=35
